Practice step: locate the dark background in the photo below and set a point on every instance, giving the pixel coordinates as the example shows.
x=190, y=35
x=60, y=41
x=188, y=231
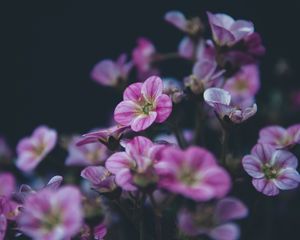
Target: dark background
x=49, y=47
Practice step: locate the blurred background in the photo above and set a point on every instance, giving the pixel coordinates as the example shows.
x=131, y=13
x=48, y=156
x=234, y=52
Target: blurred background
x=50, y=47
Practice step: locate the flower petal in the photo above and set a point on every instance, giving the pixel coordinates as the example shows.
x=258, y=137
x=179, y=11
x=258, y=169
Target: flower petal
x=133, y=92
x=152, y=88
x=263, y=152
x=287, y=179
x=265, y=186
x=143, y=121
x=230, y=208
x=118, y=161
x=163, y=108
x=3, y=226
x=228, y=231
x=186, y=48
x=284, y=159
x=177, y=19
x=252, y=165
x=124, y=180
x=125, y=112
x=214, y=96
x=94, y=174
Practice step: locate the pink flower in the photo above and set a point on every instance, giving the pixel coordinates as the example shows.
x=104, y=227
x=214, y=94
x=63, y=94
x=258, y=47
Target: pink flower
x=7, y=184
x=271, y=169
x=134, y=167
x=110, y=73
x=142, y=55
x=32, y=150
x=85, y=155
x=226, y=30
x=143, y=104
x=213, y=220
x=279, y=137
x=108, y=136
x=100, y=178
x=192, y=173
x=52, y=214
x=222, y=104
x=244, y=84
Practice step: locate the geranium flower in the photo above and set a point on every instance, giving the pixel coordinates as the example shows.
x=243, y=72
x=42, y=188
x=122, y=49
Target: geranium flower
x=271, y=169
x=213, y=220
x=100, y=178
x=192, y=173
x=279, y=137
x=244, y=84
x=85, y=155
x=222, y=104
x=110, y=73
x=143, y=104
x=52, y=214
x=134, y=167
x=32, y=150
x=226, y=30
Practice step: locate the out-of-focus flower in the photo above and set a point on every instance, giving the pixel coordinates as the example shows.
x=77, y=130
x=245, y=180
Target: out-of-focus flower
x=52, y=214
x=7, y=184
x=191, y=26
x=222, y=104
x=108, y=136
x=193, y=173
x=171, y=138
x=5, y=150
x=100, y=231
x=213, y=220
x=134, y=167
x=271, y=169
x=174, y=89
x=8, y=208
x=100, y=178
x=226, y=31
x=110, y=73
x=85, y=155
x=279, y=137
x=244, y=84
x=3, y=226
x=32, y=150
x=143, y=104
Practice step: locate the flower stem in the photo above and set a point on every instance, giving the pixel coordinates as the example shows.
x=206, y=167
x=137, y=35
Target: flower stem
x=158, y=217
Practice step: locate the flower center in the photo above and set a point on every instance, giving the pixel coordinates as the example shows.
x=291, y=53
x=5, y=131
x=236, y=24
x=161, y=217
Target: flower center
x=148, y=107
x=39, y=149
x=269, y=171
x=188, y=177
x=51, y=221
x=241, y=85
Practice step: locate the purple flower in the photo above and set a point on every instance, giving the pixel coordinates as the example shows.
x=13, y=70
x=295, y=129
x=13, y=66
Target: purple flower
x=52, y=214
x=32, y=150
x=85, y=155
x=271, y=169
x=222, y=104
x=213, y=220
x=110, y=73
x=279, y=137
x=192, y=173
x=226, y=31
x=143, y=104
x=100, y=178
x=244, y=84
x=134, y=167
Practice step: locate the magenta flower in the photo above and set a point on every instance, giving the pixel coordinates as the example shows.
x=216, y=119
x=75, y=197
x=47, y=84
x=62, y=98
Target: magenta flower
x=244, y=84
x=271, y=169
x=110, y=73
x=52, y=214
x=134, y=167
x=213, y=221
x=107, y=136
x=32, y=150
x=100, y=178
x=85, y=155
x=279, y=137
x=226, y=31
x=192, y=173
x=220, y=101
x=143, y=104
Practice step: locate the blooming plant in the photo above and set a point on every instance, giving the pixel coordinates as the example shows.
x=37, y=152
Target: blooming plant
x=153, y=173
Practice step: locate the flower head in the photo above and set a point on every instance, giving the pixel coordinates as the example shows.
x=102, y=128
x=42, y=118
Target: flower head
x=221, y=102
x=226, y=31
x=279, y=137
x=134, y=167
x=213, y=220
x=110, y=73
x=32, y=150
x=100, y=178
x=271, y=169
x=192, y=173
x=174, y=89
x=85, y=155
x=143, y=104
x=52, y=214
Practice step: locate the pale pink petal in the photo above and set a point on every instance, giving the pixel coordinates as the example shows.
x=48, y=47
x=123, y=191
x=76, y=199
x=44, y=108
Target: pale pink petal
x=186, y=48
x=199, y=158
x=241, y=29
x=287, y=179
x=163, y=108
x=119, y=161
x=177, y=19
x=294, y=132
x=214, y=96
x=105, y=73
x=272, y=135
x=265, y=186
x=230, y=208
x=138, y=146
x=143, y=121
x=253, y=166
x=263, y=152
x=133, y=92
x=126, y=112
x=94, y=174
x=54, y=183
x=124, y=180
x=284, y=159
x=152, y=88
x=228, y=231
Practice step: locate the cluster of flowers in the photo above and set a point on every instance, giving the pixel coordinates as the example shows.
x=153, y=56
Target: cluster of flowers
x=145, y=160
